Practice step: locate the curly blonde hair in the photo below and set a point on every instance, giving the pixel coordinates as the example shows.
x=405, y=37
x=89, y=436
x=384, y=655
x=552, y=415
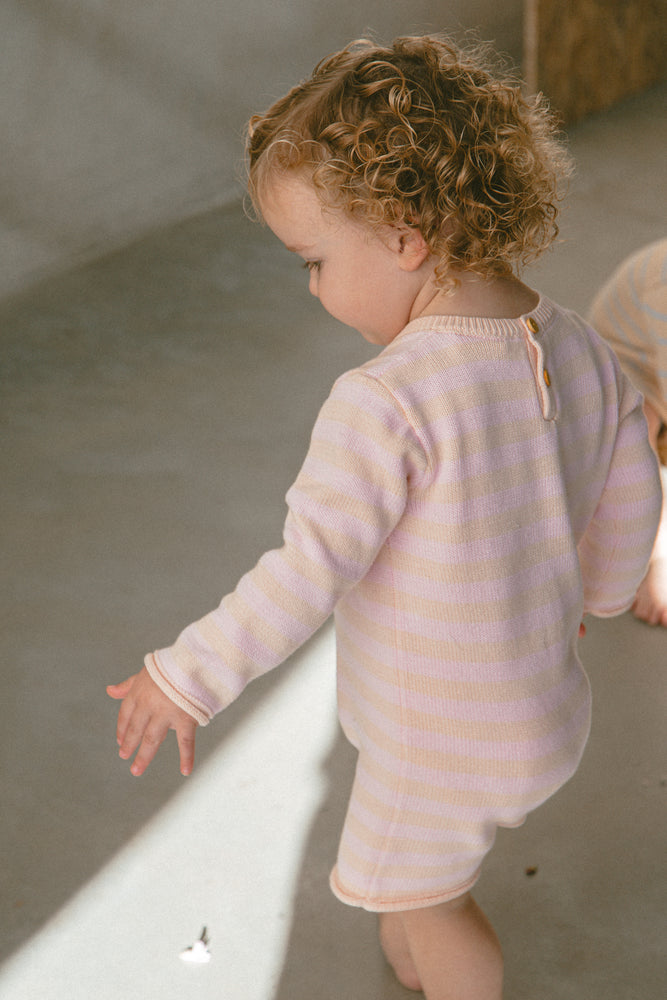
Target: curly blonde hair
x=427, y=134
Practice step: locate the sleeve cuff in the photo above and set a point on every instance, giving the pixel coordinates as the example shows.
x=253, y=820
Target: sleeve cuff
x=152, y=665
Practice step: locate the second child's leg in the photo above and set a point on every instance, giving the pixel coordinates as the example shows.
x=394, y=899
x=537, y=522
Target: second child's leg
x=651, y=601
x=450, y=951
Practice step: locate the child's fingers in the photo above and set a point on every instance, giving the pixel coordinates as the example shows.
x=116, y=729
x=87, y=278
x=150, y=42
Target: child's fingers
x=137, y=694
x=185, y=735
x=125, y=715
x=152, y=739
x=132, y=725
x=141, y=727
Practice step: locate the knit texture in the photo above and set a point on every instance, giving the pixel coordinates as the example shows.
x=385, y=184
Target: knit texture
x=466, y=497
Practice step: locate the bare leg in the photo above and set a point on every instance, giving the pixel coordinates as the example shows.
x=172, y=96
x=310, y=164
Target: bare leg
x=651, y=600
x=395, y=946
x=450, y=950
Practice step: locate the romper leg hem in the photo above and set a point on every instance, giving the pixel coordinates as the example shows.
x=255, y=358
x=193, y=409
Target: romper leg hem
x=396, y=905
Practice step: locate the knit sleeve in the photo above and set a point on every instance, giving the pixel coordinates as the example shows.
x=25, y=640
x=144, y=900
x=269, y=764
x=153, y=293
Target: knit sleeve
x=616, y=547
x=349, y=494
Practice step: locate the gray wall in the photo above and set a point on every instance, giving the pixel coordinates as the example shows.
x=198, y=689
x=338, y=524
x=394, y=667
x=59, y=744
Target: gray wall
x=117, y=118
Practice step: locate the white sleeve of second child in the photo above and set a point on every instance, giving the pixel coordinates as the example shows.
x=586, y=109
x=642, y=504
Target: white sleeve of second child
x=348, y=497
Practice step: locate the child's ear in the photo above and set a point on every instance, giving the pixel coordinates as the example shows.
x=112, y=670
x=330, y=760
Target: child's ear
x=412, y=249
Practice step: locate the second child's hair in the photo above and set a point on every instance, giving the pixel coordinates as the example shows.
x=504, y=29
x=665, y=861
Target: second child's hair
x=421, y=133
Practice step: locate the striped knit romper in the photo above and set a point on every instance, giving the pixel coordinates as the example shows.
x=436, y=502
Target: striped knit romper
x=467, y=496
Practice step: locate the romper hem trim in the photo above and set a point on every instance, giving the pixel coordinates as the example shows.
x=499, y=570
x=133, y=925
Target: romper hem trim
x=396, y=905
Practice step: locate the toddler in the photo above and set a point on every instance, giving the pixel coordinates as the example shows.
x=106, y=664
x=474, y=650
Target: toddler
x=467, y=496
x=630, y=312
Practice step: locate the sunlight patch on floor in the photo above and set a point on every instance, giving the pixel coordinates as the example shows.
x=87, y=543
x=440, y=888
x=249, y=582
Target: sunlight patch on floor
x=224, y=853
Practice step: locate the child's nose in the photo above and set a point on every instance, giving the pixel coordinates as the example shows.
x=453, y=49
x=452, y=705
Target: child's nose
x=313, y=283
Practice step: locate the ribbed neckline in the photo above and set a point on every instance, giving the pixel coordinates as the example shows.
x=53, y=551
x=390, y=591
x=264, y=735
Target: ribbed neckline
x=481, y=326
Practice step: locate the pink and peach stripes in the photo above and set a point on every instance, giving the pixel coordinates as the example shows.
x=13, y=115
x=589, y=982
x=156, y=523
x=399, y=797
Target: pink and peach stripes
x=466, y=497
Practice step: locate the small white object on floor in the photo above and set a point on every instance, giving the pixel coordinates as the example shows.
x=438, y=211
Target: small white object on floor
x=198, y=953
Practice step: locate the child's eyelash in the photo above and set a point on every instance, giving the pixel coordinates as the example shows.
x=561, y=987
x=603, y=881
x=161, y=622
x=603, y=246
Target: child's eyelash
x=311, y=265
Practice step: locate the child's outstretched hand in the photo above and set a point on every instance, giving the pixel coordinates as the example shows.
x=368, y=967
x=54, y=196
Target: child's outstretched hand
x=145, y=718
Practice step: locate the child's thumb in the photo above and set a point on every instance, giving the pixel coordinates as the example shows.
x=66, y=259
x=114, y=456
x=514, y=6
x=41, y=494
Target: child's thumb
x=120, y=690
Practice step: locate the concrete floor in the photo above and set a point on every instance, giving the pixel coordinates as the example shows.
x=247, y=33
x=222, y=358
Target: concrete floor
x=156, y=405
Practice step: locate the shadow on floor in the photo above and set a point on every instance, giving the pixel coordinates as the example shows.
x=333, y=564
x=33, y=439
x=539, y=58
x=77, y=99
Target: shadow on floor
x=150, y=429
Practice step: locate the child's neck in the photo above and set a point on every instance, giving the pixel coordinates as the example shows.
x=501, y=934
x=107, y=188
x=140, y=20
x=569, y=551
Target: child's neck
x=493, y=298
